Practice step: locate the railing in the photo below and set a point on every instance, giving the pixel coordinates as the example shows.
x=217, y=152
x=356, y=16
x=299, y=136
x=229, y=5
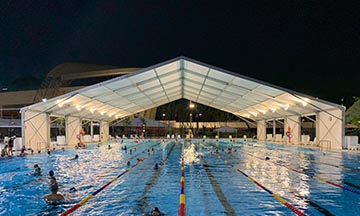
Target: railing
x=325, y=143
x=38, y=146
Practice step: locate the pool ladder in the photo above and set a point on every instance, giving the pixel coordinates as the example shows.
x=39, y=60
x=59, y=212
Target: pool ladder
x=325, y=145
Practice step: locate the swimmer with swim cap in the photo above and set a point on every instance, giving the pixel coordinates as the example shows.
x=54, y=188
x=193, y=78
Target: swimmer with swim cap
x=37, y=169
x=54, y=197
x=155, y=211
x=53, y=183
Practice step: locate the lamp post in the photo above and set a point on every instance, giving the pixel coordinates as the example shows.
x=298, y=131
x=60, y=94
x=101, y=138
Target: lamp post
x=198, y=115
x=191, y=106
x=163, y=118
x=190, y=116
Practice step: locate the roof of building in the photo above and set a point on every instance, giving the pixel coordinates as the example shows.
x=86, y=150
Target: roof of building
x=182, y=78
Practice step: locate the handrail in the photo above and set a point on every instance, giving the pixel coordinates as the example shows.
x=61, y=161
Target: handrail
x=328, y=145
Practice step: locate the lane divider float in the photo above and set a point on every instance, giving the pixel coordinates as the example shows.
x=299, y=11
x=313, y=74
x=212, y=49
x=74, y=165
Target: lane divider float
x=181, y=211
x=76, y=206
x=344, y=187
x=277, y=197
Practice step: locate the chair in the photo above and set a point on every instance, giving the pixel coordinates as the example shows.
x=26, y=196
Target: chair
x=269, y=137
x=313, y=143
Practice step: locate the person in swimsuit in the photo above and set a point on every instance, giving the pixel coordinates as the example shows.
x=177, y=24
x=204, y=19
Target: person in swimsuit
x=54, y=197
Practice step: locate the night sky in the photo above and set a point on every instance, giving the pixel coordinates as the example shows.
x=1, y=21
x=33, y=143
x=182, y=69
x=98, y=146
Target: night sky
x=312, y=47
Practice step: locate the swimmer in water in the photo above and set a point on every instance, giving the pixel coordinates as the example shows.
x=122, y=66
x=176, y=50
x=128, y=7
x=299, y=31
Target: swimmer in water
x=54, y=197
x=155, y=211
x=37, y=169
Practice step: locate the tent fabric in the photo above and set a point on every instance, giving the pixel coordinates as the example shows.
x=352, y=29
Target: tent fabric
x=179, y=78
x=138, y=122
x=226, y=129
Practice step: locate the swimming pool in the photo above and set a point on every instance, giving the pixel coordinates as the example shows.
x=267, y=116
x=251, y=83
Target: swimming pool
x=242, y=182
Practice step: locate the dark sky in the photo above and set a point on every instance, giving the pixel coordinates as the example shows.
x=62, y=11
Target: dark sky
x=311, y=47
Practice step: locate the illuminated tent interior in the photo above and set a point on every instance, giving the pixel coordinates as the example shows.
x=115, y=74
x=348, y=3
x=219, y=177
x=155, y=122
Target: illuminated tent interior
x=178, y=78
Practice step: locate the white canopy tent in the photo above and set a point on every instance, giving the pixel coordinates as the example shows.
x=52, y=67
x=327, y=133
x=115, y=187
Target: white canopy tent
x=226, y=129
x=189, y=79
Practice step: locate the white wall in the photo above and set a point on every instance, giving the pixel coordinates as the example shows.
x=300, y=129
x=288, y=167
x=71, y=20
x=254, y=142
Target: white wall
x=36, y=130
x=104, y=131
x=261, y=130
x=330, y=127
x=73, y=126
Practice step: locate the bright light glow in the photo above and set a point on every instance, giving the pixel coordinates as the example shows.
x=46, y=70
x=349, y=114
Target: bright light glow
x=191, y=105
x=111, y=114
x=272, y=109
x=61, y=103
x=78, y=107
x=44, y=99
x=262, y=111
x=247, y=115
x=286, y=106
x=303, y=101
x=92, y=110
x=254, y=113
x=102, y=113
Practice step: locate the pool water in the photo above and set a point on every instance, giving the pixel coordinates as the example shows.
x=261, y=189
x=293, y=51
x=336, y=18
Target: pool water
x=237, y=183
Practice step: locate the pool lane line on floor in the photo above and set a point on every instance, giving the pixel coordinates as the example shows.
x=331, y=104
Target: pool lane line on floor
x=277, y=197
x=127, y=159
x=215, y=185
x=295, y=193
x=181, y=210
x=76, y=206
x=344, y=187
x=345, y=182
x=349, y=186
x=328, y=164
x=328, y=155
x=154, y=177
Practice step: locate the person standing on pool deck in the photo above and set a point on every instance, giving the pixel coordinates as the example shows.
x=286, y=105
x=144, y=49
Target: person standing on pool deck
x=11, y=145
x=4, y=151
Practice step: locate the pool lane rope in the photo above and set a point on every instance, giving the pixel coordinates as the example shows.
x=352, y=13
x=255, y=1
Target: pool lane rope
x=344, y=187
x=328, y=156
x=181, y=211
x=76, y=206
x=277, y=197
x=294, y=191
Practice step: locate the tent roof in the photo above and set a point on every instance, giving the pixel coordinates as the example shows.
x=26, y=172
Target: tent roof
x=182, y=78
x=137, y=122
x=226, y=129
